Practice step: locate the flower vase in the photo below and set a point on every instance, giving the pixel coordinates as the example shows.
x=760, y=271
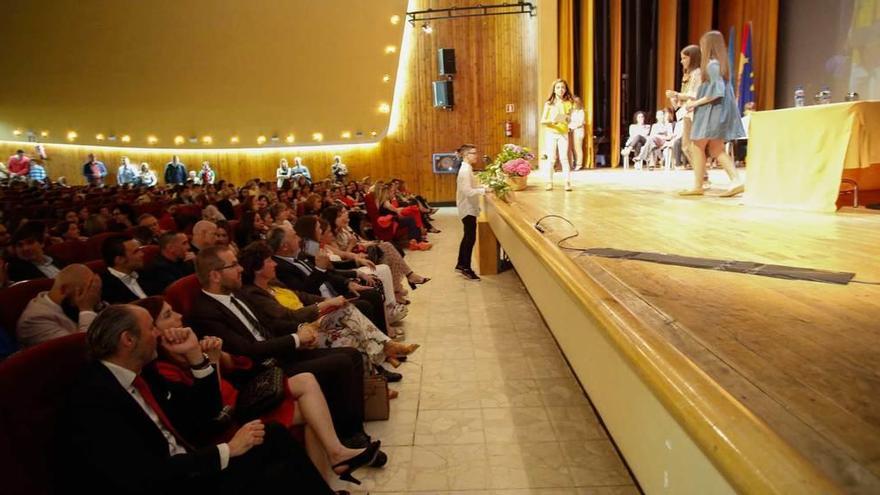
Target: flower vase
x=518, y=183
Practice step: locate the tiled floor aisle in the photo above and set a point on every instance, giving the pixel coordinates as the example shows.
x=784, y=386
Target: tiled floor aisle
x=487, y=405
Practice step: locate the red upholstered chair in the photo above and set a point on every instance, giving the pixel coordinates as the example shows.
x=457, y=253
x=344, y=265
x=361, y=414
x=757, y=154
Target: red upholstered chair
x=388, y=233
x=150, y=252
x=68, y=252
x=93, y=245
x=33, y=386
x=96, y=266
x=14, y=299
x=182, y=293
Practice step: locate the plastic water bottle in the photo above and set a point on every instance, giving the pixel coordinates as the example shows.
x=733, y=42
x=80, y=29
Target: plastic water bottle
x=799, y=97
x=825, y=95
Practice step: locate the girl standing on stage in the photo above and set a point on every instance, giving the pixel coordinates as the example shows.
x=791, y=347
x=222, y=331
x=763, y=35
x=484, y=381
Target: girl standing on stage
x=716, y=117
x=577, y=124
x=690, y=83
x=554, y=119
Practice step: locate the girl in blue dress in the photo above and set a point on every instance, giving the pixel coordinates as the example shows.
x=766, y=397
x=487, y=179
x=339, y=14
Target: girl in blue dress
x=716, y=117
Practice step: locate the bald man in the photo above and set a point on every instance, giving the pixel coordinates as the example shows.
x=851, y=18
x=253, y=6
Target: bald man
x=69, y=307
x=204, y=235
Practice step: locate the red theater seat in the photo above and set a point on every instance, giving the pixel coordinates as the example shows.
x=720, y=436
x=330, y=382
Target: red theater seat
x=97, y=266
x=68, y=252
x=14, y=299
x=182, y=293
x=33, y=386
x=150, y=252
x=93, y=245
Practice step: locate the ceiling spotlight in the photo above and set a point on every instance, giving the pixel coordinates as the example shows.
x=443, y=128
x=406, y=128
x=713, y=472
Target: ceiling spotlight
x=17, y=132
x=44, y=133
x=261, y=139
x=99, y=137
x=395, y=19
x=318, y=136
x=126, y=138
x=289, y=138
x=374, y=134
x=234, y=140
x=207, y=140
x=427, y=29
x=178, y=140
x=384, y=108
x=72, y=135
x=386, y=78
x=390, y=49
x=346, y=135
x=152, y=139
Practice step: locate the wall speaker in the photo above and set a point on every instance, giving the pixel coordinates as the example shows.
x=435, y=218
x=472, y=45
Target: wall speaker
x=446, y=61
x=443, y=95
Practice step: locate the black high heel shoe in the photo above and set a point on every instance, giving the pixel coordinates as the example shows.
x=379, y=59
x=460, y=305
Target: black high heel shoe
x=363, y=459
x=415, y=285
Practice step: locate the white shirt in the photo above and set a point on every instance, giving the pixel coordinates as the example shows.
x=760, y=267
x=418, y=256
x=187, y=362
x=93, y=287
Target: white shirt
x=325, y=288
x=467, y=197
x=126, y=377
x=129, y=281
x=577, y=120
x=48, y=269
x=226, y=300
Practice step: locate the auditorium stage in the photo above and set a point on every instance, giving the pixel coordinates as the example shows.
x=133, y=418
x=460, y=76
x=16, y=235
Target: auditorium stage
x=711, y=381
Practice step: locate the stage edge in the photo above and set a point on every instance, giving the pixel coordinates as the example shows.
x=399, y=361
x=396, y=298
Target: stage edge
x=678, y=430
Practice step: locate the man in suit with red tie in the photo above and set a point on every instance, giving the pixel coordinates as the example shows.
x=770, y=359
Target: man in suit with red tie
x=123, y=431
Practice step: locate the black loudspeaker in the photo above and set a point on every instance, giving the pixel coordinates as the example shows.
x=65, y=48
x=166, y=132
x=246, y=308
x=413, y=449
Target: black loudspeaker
x=443, y=96
x=446, y=61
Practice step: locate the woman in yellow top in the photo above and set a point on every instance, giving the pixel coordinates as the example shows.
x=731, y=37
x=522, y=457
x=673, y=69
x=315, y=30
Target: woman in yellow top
x=554, y=120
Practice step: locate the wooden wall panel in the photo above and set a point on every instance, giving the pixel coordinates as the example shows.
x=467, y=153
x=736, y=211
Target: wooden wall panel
x=700, y=15
x=667, y=51
x=496, y=61
x=616, y=41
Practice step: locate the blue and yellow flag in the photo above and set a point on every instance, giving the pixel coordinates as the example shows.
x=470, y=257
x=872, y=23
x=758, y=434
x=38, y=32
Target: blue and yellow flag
x=746, y=76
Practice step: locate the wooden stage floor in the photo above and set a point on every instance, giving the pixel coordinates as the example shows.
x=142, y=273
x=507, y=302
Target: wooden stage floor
x=802, y=356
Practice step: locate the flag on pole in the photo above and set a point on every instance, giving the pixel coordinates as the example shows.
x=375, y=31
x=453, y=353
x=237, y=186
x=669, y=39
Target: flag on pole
x=731, y=49
x=746, y=75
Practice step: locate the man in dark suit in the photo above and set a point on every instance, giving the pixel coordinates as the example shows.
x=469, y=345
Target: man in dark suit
x=124, y=431
x=320, y=278
x=173, y=262
x=218, y=311
x=123, y=257
x=30, y=260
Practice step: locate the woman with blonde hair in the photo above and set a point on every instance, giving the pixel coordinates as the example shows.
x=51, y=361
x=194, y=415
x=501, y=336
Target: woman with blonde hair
x=690, y=83
x=148, y=176
x=554, y=120
x=716, y=117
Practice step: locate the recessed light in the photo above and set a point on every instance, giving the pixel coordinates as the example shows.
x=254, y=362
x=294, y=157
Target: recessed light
x=72, y=135
x=178, y=140
x=384, y=108
x=261, y=139
x=374, y=134
x=99, y=137
x=207, y=140
x=390, y=49
x=17, y=132
x=44, y=133
x=318, y=136
x=126, y=138
x=346, y=135
x=289, y=138
x=386, y=78
x=395, y=19
x=152, y=139
x=234, y=140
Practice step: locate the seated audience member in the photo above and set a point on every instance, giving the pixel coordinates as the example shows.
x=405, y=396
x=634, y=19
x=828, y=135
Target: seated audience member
x=661, y=133
x=226, y=204
x=219, y=311
x=123, y=257
x=250, y=229
x=410, y=221
x=638, y=135
x=173, y=262
x=212, y=214
x=204, y=235
x=303, y=404
x=95, y=224
x=281, y=214
x=68, y=307
x=224, y=236
x=5, y=242
x=350, y=244
x=151, y=223
x=30, y=261
x=125, y=430
x=345, y=326
x=68, y=231
x=316, y=276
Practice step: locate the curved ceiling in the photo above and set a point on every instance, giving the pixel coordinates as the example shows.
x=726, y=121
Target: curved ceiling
x=195, y=68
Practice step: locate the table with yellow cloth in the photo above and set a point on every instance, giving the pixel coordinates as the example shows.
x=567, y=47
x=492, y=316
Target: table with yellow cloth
x=798, y=156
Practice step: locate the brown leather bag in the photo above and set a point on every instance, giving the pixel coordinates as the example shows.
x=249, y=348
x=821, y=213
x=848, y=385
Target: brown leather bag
x=376, y=405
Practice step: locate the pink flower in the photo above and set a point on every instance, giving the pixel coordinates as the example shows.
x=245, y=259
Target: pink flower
x=517, y=167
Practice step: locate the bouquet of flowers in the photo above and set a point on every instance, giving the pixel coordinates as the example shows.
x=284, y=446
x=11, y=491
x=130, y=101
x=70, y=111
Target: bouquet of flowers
x=511, y=163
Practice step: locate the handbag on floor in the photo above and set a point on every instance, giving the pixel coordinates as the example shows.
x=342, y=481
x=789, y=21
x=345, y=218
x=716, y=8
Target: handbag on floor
x=376, y=405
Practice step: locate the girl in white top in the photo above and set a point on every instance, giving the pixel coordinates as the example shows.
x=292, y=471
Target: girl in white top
x=283, y=172
x=577, y=125
x=148, y=176
x=554, y=120
x=690, y=83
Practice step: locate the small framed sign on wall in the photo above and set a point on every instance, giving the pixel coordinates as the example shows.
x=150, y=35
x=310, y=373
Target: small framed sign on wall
x=445, y=163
